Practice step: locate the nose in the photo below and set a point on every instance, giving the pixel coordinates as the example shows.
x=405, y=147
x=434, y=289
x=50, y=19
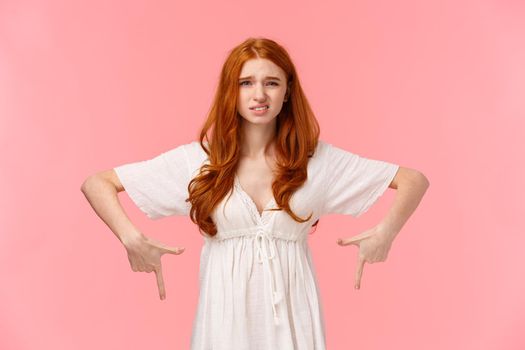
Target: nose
x=259, y=93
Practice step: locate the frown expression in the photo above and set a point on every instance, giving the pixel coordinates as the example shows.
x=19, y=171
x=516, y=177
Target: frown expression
x=261, y=82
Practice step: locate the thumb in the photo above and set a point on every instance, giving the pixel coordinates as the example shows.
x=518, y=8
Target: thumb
x=355, y=240
x=172, y=250
x=165, y=248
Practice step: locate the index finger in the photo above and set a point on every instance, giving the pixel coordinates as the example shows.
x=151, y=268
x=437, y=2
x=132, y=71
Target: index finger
x=359, y=271
x=160, y=282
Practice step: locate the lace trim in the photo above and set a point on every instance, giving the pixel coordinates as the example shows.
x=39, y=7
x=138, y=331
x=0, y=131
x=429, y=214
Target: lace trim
x=250, y=204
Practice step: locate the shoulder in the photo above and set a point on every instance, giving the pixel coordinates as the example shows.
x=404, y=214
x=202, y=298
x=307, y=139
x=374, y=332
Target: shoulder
x=320, y=149
x=331, y=152
x=318, y=160
x=195, y=152
x=195, y=156
x=190, y=151
x=326, y=150
x=188, y=156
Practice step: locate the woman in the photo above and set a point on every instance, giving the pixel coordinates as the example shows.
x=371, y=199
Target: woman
x=255, y=187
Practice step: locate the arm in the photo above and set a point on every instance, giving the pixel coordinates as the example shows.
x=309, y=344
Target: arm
x=411, y=186
x=101, y=191
x=144, y=253
x=375, y=243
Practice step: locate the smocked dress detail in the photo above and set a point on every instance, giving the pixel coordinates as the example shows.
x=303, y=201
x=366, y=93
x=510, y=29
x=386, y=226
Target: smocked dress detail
x=258, y=288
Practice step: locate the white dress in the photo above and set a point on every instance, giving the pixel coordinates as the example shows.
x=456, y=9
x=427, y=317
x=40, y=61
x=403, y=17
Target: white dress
x=258, y=288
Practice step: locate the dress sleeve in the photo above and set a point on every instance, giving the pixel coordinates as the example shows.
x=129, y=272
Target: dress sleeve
x=158, y=186
x=354, y=183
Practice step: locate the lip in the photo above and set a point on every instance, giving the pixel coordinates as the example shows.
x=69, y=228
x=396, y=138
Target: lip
x=261, y=105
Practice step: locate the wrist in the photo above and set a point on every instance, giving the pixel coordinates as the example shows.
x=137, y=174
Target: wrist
x=131, y=237
x=387, y=230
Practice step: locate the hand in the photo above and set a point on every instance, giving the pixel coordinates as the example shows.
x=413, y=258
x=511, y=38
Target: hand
x=373, y=245
x=144, y=255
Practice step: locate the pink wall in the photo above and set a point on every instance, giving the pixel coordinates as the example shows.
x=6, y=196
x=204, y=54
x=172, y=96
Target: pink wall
x=433, y=85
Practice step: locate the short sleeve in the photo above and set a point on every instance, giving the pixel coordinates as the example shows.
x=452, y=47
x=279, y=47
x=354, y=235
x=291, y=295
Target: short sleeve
x=158, y=186
x=353, y=183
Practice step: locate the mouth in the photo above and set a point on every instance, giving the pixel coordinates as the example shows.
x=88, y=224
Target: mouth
x=260, y=108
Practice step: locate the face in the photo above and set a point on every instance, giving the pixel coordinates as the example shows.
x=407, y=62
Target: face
x=261, y=82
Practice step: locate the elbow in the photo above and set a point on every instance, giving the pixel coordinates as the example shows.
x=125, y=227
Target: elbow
x=417, y=178
x=423, y=179
x=427, y=181
x=85, y=185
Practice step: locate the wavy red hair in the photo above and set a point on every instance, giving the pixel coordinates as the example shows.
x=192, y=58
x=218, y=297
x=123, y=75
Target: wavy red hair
x=297, y=135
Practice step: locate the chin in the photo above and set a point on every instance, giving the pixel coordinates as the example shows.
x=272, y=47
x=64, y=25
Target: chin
x=260, y=120
x=264, y=119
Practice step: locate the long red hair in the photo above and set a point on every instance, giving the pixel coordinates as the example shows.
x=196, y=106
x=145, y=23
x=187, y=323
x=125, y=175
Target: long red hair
x=297, y=135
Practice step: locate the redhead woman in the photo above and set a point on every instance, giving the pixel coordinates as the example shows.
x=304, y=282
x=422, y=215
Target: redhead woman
x=255, y=183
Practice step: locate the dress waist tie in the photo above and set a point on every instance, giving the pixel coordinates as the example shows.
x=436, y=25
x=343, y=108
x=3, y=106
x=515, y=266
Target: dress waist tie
x=265, y=253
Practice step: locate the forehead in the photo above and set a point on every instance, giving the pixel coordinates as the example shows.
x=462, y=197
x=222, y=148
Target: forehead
x=261, y=67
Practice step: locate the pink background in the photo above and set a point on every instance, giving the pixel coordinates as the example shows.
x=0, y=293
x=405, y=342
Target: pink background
x=433, y=85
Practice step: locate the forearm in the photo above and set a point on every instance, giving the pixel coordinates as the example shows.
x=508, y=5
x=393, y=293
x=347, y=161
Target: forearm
x=410, y=191
x=103, y=197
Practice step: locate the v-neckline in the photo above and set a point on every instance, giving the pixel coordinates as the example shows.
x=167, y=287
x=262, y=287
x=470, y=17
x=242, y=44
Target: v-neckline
x=251, y=201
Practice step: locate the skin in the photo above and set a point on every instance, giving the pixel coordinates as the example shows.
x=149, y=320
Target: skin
x=255, y=172
x=375, y=243
x=261, y=82
x=144, y=253
x=257, y=161
x=255, y=168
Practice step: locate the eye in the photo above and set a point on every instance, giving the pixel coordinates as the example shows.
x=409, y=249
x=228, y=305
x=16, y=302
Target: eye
x=247, y=81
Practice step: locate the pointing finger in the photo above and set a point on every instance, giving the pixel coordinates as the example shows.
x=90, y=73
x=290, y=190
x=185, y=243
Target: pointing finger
x=359, y=271
x=160, y=282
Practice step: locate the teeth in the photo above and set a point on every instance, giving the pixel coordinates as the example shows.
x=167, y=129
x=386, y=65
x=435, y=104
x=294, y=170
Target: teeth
x=261, y=108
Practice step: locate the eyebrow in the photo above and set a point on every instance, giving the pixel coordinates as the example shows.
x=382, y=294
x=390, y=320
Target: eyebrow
x=269, y=77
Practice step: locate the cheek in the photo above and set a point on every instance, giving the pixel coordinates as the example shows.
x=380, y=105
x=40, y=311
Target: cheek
x=279, y=94
x=241, y=101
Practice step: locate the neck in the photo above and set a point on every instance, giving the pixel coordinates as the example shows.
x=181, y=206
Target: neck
x=257, y=139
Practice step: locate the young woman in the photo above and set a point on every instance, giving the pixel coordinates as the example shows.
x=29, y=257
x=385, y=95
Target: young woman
x=255, y=183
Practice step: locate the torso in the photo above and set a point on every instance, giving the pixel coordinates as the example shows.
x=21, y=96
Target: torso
x=256, y=177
